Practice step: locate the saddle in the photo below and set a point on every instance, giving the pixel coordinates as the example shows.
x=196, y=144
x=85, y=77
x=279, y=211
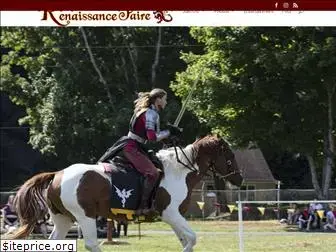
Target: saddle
x=114, y=156
x=127, y=182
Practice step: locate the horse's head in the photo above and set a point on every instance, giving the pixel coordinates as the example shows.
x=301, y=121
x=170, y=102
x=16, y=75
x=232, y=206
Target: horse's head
x=213, y=153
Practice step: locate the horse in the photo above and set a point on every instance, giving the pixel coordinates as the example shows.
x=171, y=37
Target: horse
x=81, y=192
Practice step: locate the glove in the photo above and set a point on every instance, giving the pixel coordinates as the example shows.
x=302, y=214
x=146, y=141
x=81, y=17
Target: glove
x=174, y=130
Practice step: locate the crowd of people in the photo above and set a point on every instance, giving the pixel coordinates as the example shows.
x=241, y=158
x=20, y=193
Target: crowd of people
x=315, y=216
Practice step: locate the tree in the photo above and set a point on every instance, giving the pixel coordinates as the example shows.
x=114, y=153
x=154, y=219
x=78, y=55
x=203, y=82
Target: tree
x=271, y=86
x=78, y=84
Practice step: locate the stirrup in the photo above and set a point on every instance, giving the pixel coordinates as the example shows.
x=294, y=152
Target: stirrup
x=145, y=211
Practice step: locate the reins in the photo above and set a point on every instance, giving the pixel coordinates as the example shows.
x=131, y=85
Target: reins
x=191, y=167
x=220, y=176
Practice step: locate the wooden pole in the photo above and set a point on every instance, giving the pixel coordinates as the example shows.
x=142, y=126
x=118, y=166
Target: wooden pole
x=109, y=230
x=139, y=229
x=109, y=233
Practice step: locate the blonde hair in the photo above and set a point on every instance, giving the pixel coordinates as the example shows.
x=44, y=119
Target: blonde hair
x=145, y=99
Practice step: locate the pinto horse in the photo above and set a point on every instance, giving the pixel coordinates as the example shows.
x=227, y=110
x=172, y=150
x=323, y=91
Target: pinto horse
x=82, y=192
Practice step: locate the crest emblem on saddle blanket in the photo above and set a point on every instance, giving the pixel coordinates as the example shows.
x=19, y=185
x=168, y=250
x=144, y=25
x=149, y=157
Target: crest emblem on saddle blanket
x=123, y=194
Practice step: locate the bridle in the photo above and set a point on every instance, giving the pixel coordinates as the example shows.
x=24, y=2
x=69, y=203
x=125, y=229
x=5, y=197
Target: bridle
x=211, y=166
x=219, y=175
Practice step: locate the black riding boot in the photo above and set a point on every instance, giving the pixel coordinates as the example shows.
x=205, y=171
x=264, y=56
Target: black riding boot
x=146, y=207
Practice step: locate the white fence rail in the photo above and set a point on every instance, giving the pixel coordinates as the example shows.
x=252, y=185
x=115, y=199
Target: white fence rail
x=231, y=196
x=215, y=199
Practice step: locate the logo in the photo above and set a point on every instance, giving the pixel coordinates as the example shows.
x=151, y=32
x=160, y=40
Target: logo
x=65, y=18
x=123, y=194
x=162, y=16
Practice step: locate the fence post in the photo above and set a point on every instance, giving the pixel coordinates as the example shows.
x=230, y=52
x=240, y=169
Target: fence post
x=278, y=198
x=203, y=184
x=240, y=223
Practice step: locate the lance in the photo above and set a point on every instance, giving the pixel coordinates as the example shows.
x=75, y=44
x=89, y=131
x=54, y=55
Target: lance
x=184, y=106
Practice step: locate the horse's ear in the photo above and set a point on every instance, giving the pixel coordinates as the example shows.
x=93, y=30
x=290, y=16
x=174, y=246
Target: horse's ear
x=197, y=139
x=222, y=140
x=217, y=136
x=226, y=142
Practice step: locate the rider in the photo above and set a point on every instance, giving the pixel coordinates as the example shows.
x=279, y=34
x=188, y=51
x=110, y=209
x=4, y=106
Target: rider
x=145, y=127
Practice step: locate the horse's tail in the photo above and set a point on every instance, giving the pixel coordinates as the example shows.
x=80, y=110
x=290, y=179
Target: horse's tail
x=30, y=203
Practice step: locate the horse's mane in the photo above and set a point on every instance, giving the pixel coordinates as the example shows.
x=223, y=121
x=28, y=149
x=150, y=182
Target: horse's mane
x=209, y=143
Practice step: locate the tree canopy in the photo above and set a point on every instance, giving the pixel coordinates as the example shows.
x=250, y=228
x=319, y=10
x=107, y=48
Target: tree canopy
x=274, y=87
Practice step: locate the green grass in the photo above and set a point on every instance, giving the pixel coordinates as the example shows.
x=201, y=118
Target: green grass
x=216, y=226
x=259, y=236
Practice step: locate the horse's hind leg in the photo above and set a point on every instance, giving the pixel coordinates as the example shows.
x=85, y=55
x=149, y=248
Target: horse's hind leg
x=89, y=230
x=62, y=224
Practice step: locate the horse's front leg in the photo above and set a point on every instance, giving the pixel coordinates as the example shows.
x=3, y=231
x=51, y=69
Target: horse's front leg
x=181, y=228
x=180, y=236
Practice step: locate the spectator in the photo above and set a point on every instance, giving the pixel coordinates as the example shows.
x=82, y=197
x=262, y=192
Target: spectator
x=2, y=223
x=123, y=223
x=101, y=226
x=315, y=218
x=106, y=227
x=315, y=206
x=9, y=214
x=41, y=226
x=331, y=219
x=293, y=214
x=10, y=218
x=305, y=219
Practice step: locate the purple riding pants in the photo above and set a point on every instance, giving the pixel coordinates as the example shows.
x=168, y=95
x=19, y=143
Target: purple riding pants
x=140, y=161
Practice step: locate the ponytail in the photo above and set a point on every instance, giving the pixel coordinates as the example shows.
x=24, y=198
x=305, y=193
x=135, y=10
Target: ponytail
x=142, y=102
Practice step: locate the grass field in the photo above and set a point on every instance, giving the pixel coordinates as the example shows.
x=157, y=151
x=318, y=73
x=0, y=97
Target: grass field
x=218, y=236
